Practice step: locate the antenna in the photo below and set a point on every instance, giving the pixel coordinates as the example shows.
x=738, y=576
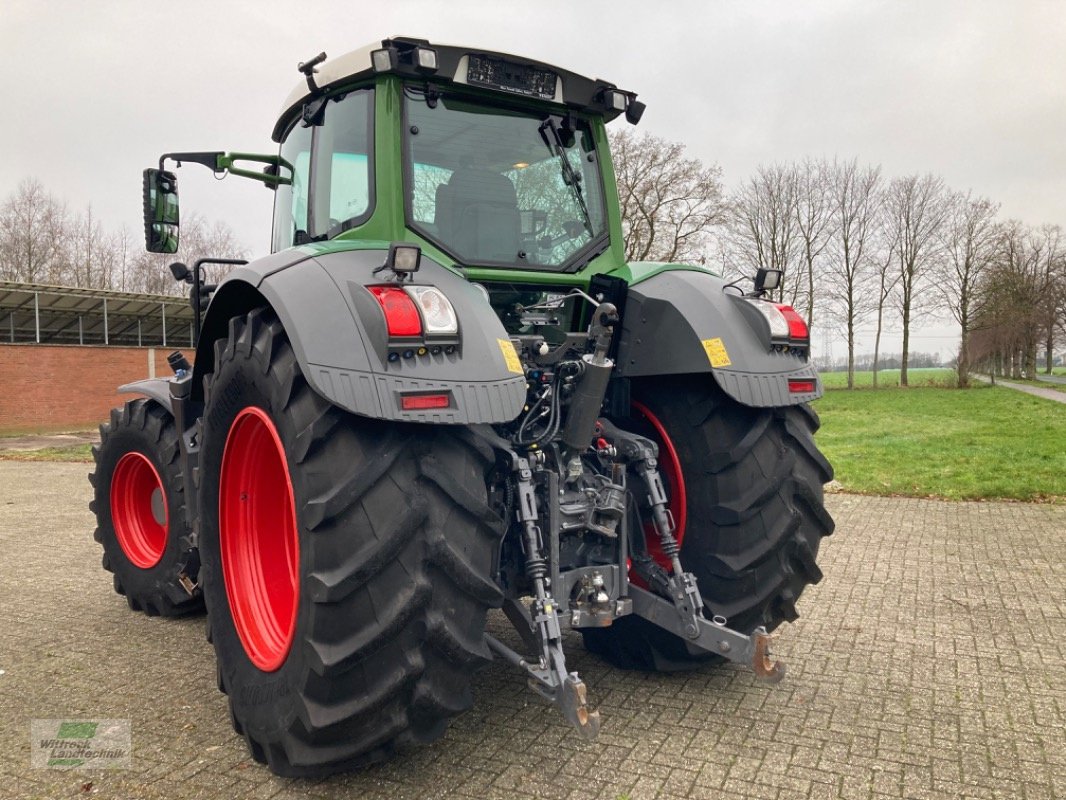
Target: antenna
x=308, y=70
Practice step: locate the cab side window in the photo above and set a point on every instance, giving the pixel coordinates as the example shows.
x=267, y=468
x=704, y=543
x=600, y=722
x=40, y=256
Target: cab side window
x=330, y=167
x=290, y=200
x=343, y=164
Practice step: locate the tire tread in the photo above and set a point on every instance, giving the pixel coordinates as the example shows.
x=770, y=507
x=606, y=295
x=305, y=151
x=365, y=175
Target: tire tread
x=154, y=425
x=764, y=521
x=398, y=593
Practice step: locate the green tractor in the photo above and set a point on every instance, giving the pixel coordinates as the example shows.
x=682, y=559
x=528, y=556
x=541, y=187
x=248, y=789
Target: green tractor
x=446, y=392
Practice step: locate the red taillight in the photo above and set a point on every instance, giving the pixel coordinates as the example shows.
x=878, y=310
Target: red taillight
x=401, y=315
x=420, y=402
x=801, y=386
x=797, y=326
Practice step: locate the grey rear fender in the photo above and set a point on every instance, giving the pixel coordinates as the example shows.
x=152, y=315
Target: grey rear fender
x=338, y=333
x=682, y=321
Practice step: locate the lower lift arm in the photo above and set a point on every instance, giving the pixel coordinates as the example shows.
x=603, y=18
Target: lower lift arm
x=711, y=635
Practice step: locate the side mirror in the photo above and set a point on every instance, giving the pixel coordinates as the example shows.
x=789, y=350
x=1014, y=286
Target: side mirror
x=160, y=211
x=181, y=272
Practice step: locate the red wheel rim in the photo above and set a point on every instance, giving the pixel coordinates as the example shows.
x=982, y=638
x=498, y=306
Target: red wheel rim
x=139, y=510
x=670, y=465
x=258, y=539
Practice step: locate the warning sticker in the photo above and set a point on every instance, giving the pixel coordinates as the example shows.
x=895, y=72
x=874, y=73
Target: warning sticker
x=510, y=357
x=716, y=353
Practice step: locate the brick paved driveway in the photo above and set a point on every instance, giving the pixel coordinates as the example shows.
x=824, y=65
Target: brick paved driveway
x=930, y=663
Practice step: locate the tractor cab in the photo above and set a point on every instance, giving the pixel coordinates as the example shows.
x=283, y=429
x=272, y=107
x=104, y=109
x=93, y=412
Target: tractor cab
x=488, y=162
x=503, y=161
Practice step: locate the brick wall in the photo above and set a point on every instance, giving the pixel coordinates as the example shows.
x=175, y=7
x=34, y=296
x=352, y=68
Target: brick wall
x=51, y=388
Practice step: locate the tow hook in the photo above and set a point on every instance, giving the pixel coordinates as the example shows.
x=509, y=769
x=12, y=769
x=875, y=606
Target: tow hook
x=571, y=699
x=762, y=661
x=565, y=690
x=187, y=583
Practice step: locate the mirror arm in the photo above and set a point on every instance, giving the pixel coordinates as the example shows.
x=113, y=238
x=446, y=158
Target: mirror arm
x=218, y=162
x=208, y=159
x=226, y=161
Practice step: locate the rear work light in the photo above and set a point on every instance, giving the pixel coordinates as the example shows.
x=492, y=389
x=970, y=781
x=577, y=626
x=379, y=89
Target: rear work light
x=401, y=314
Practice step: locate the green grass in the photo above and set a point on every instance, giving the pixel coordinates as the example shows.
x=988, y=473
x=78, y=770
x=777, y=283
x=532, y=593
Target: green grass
x=983, y=443
x=75, y=453
x=890, y=377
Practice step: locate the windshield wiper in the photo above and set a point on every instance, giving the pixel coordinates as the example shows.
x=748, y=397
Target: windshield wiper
x=554, y=144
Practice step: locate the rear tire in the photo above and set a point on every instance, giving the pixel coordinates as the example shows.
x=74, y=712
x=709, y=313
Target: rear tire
x=754, y=516
x=139, y=502
x=395, y=549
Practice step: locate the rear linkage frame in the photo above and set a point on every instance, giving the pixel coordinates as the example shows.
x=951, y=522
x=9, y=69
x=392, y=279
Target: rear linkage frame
x=603, y=592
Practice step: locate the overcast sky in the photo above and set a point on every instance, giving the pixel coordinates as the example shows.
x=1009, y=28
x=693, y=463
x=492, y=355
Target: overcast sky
x=974, y=91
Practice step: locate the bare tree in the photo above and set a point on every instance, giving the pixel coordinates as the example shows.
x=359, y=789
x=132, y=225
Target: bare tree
x=40, y=242
x=815, y=220
x=199, y=239
x=1054, y=273
x=968, y=239
x=90, y=253
x=33, y=229
x=669, y=202
x=854, y=197
x=887, y=280
x=1058, y=329
x=124, y=250
x=915, y=209
x=763, y=226
x=1016, y=295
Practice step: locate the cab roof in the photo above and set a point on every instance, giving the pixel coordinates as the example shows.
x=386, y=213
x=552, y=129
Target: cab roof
x=450, y=64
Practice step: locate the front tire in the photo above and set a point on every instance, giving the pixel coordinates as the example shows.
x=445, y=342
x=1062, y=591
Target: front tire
x=139, y=502
x=347, y=564
x=752, y=520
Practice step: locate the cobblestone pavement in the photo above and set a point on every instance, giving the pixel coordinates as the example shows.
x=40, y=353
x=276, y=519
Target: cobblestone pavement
x=930, y=663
